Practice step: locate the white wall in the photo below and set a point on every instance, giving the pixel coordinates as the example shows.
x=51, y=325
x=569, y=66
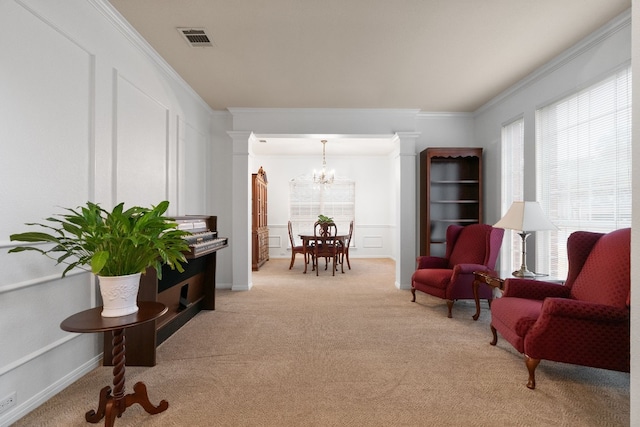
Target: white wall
x=599, y=54
x=87, y=113
x=588, y=61
x=80, y=98
x=414, y=131
x=374, y=190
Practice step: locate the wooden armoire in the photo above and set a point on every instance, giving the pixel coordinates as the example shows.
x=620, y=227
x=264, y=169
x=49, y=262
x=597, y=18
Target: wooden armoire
x=450, y=193
x=259, y=230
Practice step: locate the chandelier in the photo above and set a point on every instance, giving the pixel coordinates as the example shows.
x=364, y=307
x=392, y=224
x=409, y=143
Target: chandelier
x=323, y=177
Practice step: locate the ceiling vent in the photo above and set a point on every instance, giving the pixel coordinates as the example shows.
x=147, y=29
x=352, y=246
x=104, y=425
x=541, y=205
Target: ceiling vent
x=196, y=37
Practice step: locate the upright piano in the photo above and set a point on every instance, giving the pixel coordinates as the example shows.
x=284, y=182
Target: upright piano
x=184, y=294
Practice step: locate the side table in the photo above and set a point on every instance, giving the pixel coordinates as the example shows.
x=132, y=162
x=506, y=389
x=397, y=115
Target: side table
x=491, y=279
x=113, y=405
x=488, y=278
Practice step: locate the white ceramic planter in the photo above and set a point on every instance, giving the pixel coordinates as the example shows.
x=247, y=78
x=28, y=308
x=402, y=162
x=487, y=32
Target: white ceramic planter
x=119, y=294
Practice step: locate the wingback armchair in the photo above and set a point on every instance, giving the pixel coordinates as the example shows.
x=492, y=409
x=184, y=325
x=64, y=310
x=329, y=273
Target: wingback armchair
x=586, y=321
x=471, y=248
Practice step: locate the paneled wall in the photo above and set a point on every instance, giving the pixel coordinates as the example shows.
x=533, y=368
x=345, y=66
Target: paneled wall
x=88, y=112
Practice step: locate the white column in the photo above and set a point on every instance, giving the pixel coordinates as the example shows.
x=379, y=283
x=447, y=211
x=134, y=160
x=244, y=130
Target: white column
x=406, y=208
x=241, y=211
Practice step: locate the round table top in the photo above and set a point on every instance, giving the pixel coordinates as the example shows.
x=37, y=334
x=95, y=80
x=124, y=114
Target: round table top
x=91, y=320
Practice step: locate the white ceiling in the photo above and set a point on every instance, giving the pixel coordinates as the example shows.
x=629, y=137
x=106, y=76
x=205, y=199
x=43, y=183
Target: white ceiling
x=432, y=55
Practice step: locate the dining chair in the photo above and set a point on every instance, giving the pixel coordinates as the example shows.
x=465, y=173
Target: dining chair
x=343, y=249
x=325, y=245
x=297, y=249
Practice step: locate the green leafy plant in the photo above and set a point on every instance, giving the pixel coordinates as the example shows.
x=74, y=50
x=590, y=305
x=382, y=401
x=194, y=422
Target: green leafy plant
x=325, y=219
x=115, y=243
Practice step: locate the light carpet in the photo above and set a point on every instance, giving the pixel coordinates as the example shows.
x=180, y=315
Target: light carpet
x=349, y=350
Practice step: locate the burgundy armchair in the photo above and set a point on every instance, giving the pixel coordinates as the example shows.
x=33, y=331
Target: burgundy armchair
x=471, y=248
x=586, y=321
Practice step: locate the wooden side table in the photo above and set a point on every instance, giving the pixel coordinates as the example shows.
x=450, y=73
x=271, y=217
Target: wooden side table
x=113, y=405
x=488, y=278
x=491, y=279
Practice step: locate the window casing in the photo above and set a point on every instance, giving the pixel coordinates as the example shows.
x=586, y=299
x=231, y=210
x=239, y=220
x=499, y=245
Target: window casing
x=512, y=142
x=583, y=165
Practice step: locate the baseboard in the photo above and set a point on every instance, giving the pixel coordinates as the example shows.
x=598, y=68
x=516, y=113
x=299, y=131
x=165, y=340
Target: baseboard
x=39, y=398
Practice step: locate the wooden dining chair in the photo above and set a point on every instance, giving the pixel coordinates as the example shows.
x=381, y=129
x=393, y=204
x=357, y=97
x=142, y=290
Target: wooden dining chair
x=297, y=249
x=343, y=250
x=325, y=245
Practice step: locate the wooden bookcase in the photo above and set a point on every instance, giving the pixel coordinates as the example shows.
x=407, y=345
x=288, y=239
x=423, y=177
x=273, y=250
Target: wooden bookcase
x=259, y=230
x=184, y=294
x=450, y=193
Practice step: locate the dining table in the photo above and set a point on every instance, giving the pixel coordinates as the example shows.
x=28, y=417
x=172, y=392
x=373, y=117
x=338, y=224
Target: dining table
x=306, y=238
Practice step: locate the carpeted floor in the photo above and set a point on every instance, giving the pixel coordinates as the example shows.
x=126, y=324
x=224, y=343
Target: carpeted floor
x=349, y=350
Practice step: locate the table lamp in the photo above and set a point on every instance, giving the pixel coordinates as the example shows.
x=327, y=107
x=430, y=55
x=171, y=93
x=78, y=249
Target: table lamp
x=525, y=217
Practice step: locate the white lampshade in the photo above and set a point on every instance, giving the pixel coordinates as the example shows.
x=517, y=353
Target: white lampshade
x=525, y=216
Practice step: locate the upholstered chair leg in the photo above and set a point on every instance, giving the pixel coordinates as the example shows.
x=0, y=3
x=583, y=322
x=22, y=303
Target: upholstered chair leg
x=449, y=307
x=532, y=364
x=494, y=341
x=293, y=258
x=413, y=292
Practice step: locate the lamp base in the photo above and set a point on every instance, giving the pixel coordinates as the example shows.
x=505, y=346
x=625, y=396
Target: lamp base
x=523, y=272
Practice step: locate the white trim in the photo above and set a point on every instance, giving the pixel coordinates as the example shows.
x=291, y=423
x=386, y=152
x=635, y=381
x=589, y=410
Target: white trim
x=122, y=25
x=50, y=391
x=333, y=111
x=612, y=27
x=38, y=281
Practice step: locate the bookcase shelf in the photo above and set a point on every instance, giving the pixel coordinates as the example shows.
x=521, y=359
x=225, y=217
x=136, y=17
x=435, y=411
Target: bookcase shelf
x=450, y=193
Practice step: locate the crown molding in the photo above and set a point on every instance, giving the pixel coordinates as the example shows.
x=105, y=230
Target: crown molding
x=125, y=28
x=617, y=24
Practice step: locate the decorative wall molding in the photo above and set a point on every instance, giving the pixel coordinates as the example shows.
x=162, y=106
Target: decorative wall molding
x=121, y=24
x=372, y=242
x=37, y=281
x=47, y=393
x=275, y=241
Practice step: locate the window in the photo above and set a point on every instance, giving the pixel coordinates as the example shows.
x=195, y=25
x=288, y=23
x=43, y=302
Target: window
x=308, y=200
x=583, y=165
x=512, y=142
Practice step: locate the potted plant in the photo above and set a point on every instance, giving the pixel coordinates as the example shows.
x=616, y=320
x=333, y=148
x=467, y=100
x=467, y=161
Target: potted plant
x=116, y=246
x=322, y=219
x=324, y=222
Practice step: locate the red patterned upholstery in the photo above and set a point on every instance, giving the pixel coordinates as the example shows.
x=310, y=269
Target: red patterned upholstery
x=584, y=322
x=471, y=248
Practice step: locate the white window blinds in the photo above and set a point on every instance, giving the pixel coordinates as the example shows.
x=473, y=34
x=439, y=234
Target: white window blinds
x=583, y=165
x=307, y=200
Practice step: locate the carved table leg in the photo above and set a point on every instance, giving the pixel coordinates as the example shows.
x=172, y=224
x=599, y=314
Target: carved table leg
x=140, y=397
x=95, y=416
x=113, y=405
